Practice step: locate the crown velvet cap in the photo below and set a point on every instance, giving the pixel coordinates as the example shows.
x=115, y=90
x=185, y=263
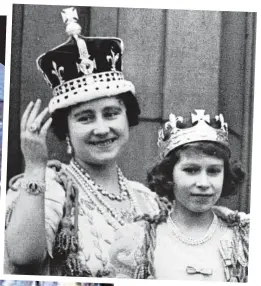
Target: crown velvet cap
x=83, y=68
x=171, y=136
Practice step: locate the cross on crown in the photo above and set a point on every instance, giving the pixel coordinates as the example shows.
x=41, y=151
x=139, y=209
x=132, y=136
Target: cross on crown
x=171, y=137
x=69, y=15
x=200, y=116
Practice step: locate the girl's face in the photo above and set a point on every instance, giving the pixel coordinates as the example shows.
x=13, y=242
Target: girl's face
x=198, y=181
x=98, y=130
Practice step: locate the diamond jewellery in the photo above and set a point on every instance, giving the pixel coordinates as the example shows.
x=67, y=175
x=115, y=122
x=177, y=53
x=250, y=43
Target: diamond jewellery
x=34, y=128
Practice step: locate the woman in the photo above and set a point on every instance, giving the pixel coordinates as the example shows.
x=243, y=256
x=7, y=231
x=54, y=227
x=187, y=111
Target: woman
x=61, y=218
x=187, y=240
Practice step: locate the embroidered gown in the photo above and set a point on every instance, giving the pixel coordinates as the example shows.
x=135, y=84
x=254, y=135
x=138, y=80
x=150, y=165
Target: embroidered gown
x=96, y=225
x=163, y=252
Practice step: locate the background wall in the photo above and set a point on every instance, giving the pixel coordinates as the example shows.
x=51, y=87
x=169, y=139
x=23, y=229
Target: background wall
x=178, y=60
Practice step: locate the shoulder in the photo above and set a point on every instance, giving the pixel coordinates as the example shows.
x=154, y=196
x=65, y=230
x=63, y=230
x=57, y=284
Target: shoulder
x=238, y=222
x=142, y=190
x=139, y=187
x=146, y=199
x=231, y=217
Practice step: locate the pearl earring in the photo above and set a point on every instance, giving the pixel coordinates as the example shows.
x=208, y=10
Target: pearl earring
x=69, y=146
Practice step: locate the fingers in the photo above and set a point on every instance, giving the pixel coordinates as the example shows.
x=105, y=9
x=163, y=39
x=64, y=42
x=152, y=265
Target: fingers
x=26, y=115
x=39, y=119
x=31, y=117
x=34, y=113
x=46, y=126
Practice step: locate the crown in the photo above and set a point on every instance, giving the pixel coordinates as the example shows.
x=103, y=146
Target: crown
x=170, y=136
x=83, y=68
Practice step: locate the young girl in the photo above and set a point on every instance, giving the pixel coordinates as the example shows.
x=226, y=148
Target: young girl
x=187, y=240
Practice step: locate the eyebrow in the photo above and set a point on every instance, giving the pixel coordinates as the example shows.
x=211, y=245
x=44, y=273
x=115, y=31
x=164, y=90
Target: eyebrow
x=83, y=112
x=108, y=108
x=197, y=164
x=91, y=111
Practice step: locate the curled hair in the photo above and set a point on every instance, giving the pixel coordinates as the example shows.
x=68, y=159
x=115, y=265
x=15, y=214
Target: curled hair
x=60, y=122
x=160, y=177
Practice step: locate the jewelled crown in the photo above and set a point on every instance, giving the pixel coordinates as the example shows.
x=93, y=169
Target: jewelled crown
x=83, y=68
x=171, y=136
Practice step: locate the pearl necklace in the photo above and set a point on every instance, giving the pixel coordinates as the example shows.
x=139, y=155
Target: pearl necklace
x=121, y=179
x=194, y=241
x=90, y=189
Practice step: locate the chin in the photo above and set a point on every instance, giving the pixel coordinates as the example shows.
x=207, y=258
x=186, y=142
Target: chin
x=104, y=160
x=201, y=209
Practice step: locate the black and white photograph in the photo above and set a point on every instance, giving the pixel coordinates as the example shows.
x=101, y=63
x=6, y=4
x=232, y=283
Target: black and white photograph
x=131, y=150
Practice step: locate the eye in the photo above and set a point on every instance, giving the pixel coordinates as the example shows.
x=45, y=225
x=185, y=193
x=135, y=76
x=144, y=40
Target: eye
x=112, y=113
x=86, y=118
x=191, y=170
x=214, y=171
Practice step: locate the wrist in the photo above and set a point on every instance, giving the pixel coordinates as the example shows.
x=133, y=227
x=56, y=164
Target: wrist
x=35, y=171
x=33, y=187
x=39, y=164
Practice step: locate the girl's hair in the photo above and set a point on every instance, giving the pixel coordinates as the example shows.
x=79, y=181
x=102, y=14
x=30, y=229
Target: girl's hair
x=60, y=122
x=160, y=178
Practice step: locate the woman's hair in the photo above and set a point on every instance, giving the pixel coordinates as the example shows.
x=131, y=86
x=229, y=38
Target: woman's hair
x=160, y=178
x=60, y=121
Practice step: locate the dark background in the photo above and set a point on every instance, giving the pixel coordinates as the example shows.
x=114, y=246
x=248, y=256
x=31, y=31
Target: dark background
x=3, y=38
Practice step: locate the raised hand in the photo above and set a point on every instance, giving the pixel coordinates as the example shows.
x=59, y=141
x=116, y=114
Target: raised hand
x=33, y=135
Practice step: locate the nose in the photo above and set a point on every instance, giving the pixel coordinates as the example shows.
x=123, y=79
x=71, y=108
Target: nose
x=203, y=181
x=101, y=127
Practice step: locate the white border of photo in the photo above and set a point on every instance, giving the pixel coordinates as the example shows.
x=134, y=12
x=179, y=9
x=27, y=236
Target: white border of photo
x=239, y=5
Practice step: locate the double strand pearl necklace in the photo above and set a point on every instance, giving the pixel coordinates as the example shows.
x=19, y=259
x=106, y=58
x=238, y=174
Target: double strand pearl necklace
x=194, y=241
x=91, y=191
x=121, y=179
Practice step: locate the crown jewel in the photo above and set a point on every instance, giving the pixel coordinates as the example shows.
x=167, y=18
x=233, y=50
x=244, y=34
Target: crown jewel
x=83, y=68
x=171, y=136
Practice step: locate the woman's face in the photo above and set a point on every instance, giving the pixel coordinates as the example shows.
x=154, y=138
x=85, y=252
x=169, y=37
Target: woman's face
x=98, y=130
x=198, y=181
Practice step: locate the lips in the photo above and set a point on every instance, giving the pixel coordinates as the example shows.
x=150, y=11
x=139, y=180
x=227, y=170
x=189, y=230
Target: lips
x=102, y=143
x=202, y=195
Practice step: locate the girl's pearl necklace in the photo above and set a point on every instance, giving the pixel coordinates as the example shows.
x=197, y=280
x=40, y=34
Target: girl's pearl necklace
x=92, y=192
x=194, y=241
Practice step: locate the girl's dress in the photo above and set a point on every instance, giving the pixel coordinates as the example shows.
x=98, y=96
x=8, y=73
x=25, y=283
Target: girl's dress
x=159, y=250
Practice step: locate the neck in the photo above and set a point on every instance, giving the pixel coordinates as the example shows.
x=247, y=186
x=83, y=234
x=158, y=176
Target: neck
x=191, y=222
x=104, y=175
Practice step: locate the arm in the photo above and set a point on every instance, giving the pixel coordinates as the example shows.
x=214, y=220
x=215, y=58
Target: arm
x=25, y=233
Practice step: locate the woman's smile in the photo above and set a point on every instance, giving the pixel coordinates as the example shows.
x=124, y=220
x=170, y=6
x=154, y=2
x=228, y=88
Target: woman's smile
x=103, y=143
x=98, y=130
